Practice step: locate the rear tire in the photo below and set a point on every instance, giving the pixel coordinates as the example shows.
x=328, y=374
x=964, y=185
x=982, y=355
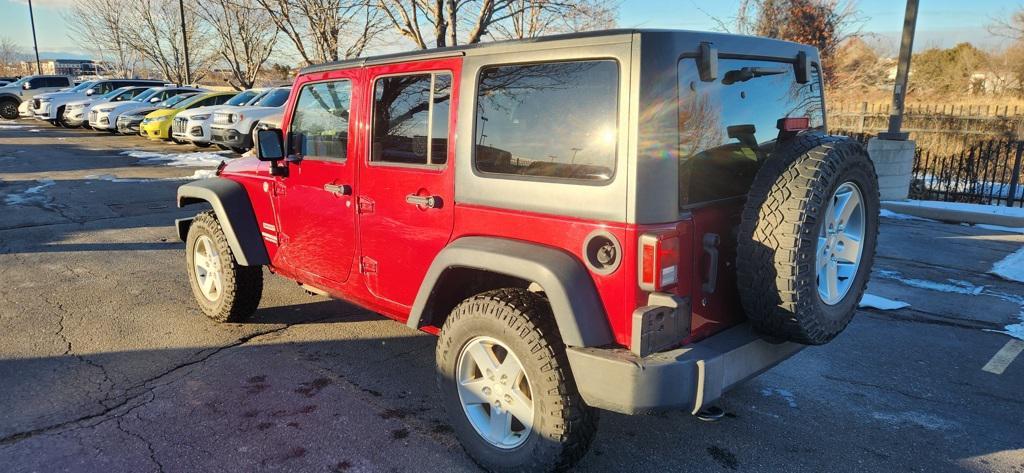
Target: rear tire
x=786, y=224
x=519, y=325
x=225, y=290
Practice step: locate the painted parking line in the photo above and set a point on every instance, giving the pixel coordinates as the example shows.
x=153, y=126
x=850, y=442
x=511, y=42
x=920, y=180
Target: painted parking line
x=1004, y=357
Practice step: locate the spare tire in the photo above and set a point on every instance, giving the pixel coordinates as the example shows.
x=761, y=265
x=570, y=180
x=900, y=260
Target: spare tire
x=807, y=238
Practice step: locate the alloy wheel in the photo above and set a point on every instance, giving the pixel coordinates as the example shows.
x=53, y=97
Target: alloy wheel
x=495, y=392
x=840, y=243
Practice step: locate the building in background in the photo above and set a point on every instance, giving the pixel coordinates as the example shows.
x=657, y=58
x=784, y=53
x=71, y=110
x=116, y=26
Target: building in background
x=66, y=67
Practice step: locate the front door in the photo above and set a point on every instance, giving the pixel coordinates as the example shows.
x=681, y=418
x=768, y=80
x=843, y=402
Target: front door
x=315, y=207
x=405, y=198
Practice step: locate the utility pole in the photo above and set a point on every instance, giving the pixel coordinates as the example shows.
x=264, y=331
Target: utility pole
x=899, y=90
x=35, y=44
x=184, y=41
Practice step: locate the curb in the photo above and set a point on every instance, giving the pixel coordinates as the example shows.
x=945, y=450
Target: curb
x=954, y=215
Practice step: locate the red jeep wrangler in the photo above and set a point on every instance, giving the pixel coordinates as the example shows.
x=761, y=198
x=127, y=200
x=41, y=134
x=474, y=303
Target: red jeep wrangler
x=620, y=220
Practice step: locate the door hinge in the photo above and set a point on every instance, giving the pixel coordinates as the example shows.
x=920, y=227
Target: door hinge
x=365, y=205
x=368, y=265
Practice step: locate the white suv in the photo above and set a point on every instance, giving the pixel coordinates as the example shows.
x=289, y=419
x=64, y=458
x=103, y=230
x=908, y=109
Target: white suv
x=194, y=125
x=232, y=126
x=104, y=117
x=50, y=108
x=77, y=113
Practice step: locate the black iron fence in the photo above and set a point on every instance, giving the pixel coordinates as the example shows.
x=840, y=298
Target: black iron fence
x=987, y=172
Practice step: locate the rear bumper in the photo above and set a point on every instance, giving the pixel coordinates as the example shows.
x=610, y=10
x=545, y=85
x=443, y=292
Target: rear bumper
x=685, y=378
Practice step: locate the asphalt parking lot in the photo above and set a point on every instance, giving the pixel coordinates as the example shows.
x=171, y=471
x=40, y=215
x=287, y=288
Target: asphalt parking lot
x=107, y=365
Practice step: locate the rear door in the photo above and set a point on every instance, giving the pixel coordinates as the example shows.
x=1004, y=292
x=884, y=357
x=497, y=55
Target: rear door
x=405, y=195
x=316, y=215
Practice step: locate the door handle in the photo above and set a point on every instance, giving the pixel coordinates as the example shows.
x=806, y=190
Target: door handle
x=429, y=201
x=338, y=189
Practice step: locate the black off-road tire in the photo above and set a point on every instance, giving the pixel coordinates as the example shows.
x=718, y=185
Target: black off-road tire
x=778, y=237
x=8, y=109
x=564, y=426
x=242, y=285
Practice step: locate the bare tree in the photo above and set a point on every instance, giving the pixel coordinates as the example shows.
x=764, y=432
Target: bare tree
x=440, y=23
x=155, y=32
x=10, y=55
x=824, y=24
x=326, y=30
x=246, y=35
x=101, y=27
x=1010, y=25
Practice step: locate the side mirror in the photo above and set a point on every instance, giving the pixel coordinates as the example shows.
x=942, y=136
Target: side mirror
x=269, y=145
x=27, y=86
x=154, y=100
x=90, y=92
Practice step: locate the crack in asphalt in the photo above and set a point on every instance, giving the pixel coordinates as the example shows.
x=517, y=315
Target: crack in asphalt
x=907, y=315
x=129, y=398
x=149, y=445
x=885, y=388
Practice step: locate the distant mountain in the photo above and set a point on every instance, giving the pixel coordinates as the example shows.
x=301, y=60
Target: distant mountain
x=54, y=55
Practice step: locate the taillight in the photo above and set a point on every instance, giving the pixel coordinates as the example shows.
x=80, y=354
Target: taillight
x=659, y=260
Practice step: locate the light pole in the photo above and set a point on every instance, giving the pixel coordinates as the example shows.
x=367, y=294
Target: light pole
x=899, y=90
x=35, y=45
x=184, y=41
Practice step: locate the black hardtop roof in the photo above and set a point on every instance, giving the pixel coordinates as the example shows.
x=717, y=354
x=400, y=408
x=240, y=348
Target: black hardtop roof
x=420, y=54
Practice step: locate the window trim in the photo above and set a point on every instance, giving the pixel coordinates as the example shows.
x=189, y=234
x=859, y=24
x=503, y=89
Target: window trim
x=555, y=180
x=430, y=120
x=295, y=106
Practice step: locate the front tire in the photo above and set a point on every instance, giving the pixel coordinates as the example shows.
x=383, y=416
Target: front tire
x=8, y=109
x=506, y=385
x=225, y=290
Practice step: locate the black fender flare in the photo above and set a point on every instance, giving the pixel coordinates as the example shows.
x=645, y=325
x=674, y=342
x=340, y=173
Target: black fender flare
x=234, y=211
x=577, y=309
x=8, y=95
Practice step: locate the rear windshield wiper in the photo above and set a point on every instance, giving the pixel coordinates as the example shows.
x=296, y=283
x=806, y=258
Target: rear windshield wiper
x=747, y=73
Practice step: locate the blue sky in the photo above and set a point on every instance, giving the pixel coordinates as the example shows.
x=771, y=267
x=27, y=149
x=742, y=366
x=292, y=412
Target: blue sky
x=941, y=22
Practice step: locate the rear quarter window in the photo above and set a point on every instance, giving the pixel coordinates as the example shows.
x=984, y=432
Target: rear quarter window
x=728, y=127
x=548, y=121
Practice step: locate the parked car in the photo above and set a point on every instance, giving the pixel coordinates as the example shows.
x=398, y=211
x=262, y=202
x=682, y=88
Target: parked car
x=50, y=108
x=232, y=126
x=168, y=104
x=157, y=125
x=130, y=123
x=628, y=221
x=105, y=117
x=14, y=97
x=194, y=125
x=77, y=113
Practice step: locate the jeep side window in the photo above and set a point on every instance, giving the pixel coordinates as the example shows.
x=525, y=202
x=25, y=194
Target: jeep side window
x=319, y=126
x=552, y=120
x=728, y=127
x=410, y=119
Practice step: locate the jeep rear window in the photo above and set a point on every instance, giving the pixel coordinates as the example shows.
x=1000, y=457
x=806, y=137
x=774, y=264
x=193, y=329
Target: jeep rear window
x=552, y=120
x=728, y=127
x=410, y=119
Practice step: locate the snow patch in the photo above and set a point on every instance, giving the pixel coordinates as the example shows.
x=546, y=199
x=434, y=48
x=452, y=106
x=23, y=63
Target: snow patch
x=877, y=302
x=919, y=419
x=30, y=195
x=197, y=159
x=1000, y=228
x=12, y=127
x=1010, y=268
x=886, y=213
x=785, y=394
x=198, y=174
x=955, y=286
